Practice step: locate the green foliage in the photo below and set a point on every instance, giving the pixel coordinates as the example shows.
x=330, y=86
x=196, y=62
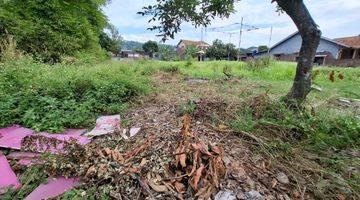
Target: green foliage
x=188, y=108
x=8, y=50
x=170, y=14
x=263, y=48
x=55, y=97
x=51, y=29
x=259, y=63
x=111, y=40
x=168, y=53
x=150, y=47
x=218, y=51
x=190, y=52
x=173, y=69
x=328, y=128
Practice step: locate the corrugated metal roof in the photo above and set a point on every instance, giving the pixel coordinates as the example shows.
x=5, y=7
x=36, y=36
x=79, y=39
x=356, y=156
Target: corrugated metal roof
x=323, y=38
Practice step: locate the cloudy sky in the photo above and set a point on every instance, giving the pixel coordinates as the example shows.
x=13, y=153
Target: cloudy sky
x=336, y=18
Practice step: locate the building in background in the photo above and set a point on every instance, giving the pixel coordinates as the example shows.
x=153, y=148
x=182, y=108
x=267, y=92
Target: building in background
x=201, y=47
x=336, y=52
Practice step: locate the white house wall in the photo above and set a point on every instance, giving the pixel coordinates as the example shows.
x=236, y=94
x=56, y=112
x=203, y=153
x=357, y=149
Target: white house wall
x=293, y=45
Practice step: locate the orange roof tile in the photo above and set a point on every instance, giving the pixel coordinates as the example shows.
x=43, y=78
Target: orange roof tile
x=353, y=42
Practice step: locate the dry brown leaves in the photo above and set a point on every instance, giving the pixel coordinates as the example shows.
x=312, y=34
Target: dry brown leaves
x=194, y=167
x=197, y=165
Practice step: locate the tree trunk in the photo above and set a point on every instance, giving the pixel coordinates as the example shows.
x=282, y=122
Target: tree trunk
x=310, y=35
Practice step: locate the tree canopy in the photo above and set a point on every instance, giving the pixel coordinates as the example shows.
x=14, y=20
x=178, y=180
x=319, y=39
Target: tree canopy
x=218, y=50
x=111, y=40
x=49, y=29
x=150, y=47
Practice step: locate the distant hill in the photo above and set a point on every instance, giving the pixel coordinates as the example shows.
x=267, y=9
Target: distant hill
x=131, y=45
x=134, y=45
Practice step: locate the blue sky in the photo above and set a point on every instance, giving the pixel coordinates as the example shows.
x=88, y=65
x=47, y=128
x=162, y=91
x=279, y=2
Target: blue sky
x=336, y=18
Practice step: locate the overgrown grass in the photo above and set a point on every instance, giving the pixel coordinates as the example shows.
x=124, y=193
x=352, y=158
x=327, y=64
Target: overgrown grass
x=279, y=74
x=331, y=133
x=53, y=97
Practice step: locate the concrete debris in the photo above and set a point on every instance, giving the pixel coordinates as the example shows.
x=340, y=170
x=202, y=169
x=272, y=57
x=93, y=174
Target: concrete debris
x=282, y=178
x=105, y=125
x=225, y=195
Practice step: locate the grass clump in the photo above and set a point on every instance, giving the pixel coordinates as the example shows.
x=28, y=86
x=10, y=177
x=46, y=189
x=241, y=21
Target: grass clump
x=324, y=139
x=54, y=97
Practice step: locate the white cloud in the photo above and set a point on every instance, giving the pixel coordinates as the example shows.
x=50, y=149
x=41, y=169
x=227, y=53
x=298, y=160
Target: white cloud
x=336, y=18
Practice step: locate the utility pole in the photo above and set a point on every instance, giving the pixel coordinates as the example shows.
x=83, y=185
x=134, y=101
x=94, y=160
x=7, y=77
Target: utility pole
x=240, y=35
x=271, y=32
x=230, y=35
x=202, y=34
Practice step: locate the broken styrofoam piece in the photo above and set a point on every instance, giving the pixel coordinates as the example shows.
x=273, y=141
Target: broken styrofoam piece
x=8, y=178
x=11, y=137
x=105, y=125
x=124, y=134
x=225, y=195
x=134, y=131
x=53, y=188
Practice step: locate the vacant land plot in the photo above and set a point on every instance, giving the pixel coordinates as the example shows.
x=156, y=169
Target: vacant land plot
x=312, y=152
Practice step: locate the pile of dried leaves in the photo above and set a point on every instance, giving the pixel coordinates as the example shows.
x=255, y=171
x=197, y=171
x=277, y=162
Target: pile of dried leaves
x=174, y=166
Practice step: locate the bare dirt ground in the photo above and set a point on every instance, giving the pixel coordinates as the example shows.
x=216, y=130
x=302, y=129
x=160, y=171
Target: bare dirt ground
x=249, y=175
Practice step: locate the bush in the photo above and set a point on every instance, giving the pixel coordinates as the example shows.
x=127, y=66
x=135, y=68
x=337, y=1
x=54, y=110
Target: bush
x=62, y=96
x=327, y=128
x=259, y=63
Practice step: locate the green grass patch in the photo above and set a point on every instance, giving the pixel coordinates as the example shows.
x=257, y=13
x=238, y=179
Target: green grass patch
x=53, y=97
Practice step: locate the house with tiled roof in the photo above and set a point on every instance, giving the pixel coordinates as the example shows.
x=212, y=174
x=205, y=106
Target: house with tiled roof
x=353, y=43
x=200, y=45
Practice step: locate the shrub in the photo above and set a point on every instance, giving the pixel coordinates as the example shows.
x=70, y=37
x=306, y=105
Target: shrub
x=62, y=96
x=327, y=128
x=173, y=69
x=259, y=63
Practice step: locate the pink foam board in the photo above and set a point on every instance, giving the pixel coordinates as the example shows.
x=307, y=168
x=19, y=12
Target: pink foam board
x=8, y=178
x=20, y=154
x=60, y=137
x=11, y=137
x=52, y=189
x=25, y=158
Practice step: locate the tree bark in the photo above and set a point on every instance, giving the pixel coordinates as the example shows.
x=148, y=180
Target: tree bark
x=310, y=35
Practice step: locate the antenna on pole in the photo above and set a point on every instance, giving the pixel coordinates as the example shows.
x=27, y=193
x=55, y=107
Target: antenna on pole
x=230, y=35
x=271, y=32
x=240, y=35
